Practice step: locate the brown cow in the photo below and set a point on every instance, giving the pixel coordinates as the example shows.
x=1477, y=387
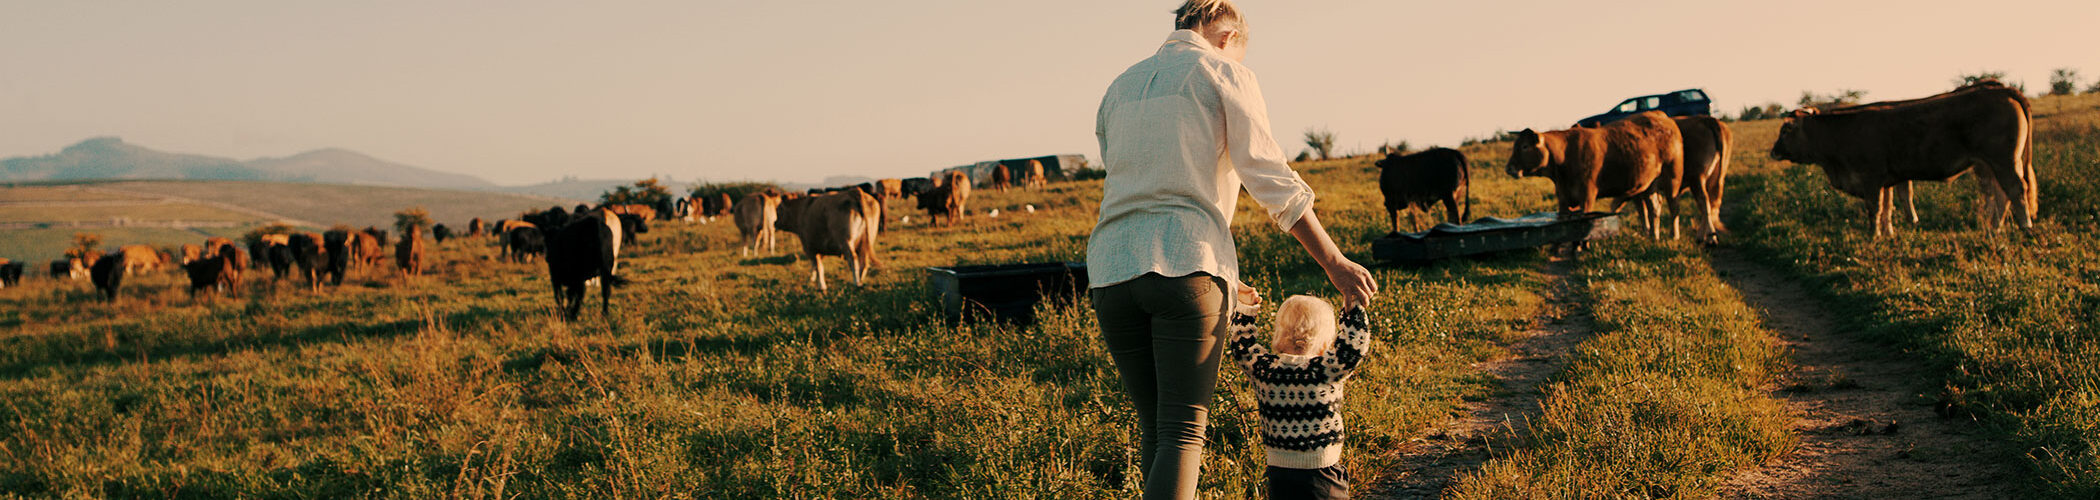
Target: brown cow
x=842, y=224
x=409, y=253
x=1875, y=150
x=889, y=189
x=637, y=224
x=1707, y=144
x=1001, y=178
x=1638, y=159
x=755, y=220
x=141, y=257
x=475, y=228
x=217, y=272
x=951, y=198
x=190, y=253
x=1414, y=183
x=1032, y=175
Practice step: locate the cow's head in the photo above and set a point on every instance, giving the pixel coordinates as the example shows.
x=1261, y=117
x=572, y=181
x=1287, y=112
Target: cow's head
x=1527, y=154
x=1791, y=140
x=1391, y=160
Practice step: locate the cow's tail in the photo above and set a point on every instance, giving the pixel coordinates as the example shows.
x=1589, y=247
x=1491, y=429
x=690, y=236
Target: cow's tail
x=1717, y=179
x=1465, y=175
x=869, y=206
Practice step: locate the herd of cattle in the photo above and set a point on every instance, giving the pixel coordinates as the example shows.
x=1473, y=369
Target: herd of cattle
x=1871, y=151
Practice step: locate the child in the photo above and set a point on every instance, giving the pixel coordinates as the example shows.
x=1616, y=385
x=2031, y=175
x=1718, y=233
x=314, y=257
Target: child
x=1300, y=389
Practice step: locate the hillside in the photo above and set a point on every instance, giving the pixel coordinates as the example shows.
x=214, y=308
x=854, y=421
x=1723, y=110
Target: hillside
x=106, y=158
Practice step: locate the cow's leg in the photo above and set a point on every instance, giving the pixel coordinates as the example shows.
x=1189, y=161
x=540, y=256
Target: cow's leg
x=605, y=289
x=2012, y=186
x=1414, y=218
x=1393, y=216
x=1910, y=204
x=1990, y=202
x=816, y=272
x=1670, y=202
x=1451, y=212
x=1884, y=212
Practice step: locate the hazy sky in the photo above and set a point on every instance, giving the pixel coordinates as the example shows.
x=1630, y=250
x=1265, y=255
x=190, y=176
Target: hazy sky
x=522, y=92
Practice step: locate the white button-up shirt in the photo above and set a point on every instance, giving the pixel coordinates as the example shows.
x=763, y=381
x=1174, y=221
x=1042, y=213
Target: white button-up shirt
x=1181, y=132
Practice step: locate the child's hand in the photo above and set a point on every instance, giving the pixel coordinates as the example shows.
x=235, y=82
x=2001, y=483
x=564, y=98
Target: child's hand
x=1247, y=295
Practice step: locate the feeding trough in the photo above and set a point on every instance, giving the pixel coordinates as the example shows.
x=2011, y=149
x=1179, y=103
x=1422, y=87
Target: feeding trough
x=1007, y=292
x=1493, y=234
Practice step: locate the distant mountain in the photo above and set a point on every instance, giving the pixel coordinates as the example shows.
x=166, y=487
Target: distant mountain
x=342, y=166
x=112, y=158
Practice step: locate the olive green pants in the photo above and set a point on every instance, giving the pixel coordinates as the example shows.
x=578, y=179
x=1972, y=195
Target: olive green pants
x=1166, y=336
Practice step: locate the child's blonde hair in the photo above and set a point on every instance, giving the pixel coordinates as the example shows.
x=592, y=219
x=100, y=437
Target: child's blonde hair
x=1304, y=325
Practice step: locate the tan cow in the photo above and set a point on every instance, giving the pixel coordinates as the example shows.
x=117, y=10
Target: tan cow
x=1707, y=144
x=408, y=254
x=1874, y=151
x=1638, y=159
x=141, y=258
x=756, y=217
x=190, y=253
x=1032, y=175
x=843, y=224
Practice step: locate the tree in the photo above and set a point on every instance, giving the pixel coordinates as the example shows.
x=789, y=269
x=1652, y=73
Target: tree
x=1841, y=98
x=646, y=192
x=2063, y=81
x=414, y=216
x=1965, y=80
x=1321, y=141
x=84, y=243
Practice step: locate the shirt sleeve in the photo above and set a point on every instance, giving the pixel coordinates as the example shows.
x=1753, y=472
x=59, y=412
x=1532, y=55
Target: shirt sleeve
x=1257, y=159
x=1351, y=344
x=1246, y=349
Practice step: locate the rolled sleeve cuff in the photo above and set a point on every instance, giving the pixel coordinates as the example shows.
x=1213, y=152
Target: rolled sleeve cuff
x=1293, y=209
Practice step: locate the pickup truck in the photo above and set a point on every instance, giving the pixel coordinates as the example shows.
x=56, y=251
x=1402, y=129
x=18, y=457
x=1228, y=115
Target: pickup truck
x=1687, y=102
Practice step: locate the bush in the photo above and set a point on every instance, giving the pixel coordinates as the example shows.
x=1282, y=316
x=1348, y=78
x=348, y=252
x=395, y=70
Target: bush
x=2064, y=81
x=646, y=192
x=1321, y=141
x=414, y=216
x=255, y=235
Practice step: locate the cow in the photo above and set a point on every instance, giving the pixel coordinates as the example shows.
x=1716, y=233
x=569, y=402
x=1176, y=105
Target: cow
x=1001, y=178
x=889, y=189
x=916, y=185
x=1707, y=144
x=475, y=228
x=1416, y=182
x=1032, y=175
x=310, y=255
x=841, y=224
x=523, y=241
x=1638, y=159
x=950, y=199
x=580, y=209
x=755, y=218
x=585, y=249
x=342, y=247
x=682, y=209
x=280, y=257
x=409, y=253
x=440, y=233
x=371, y=246
x=141, y=258
x=64, y=269
x=631, y=225
x=710, y=207
x=219, y=271
x=1875, y=150
x=10, y=273
x=108, y=275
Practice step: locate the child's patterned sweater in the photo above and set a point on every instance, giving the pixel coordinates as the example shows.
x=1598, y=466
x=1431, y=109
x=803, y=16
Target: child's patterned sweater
x=1301, y=396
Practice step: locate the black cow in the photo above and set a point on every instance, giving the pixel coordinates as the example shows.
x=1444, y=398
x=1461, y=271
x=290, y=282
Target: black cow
x=524, y=243
x=280, y=258
x=440, y=233
x=576, y=253
x=108, y=274
x=218, y=271
x=916, y=185
x=310, y=257
x=1419, y=181
x=11, y=274
x=336, y=243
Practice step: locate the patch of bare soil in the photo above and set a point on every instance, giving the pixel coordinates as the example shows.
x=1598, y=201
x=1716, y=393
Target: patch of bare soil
x=1866, y=418
x=1464, y=443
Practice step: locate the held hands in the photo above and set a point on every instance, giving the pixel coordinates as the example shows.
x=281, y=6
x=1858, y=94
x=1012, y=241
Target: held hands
x=1352, y=280
x=1246, y=295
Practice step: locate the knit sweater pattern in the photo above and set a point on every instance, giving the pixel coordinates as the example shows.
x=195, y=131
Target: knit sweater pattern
x=1300, y=396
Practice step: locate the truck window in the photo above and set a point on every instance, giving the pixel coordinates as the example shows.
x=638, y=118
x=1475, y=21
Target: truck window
x=1631, y=105
x=1691, y=96
x=1651, y=103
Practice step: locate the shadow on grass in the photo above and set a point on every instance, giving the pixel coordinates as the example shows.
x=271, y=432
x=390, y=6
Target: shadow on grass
x=81, y=351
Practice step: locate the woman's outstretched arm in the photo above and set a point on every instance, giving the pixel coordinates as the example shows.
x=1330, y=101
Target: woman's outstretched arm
x=1351, y=279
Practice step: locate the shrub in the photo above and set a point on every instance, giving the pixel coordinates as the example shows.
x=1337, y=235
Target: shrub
x=646, y=192
x=1322, y=141
x=415, y=216
x=2063, y=81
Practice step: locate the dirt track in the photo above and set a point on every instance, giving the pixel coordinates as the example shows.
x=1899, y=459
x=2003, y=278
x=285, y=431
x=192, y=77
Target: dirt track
x=1866, y=416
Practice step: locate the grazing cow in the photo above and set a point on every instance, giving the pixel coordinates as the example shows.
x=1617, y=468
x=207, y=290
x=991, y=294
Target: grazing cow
x=1414, y=183
x=311, y=256
x=190, y=253
x=65, y=269
x=1638, y=159
x=108, y=274
x=755, y=220
x=710, y=207
x=409, y=253
x=629, y=226
x=524, y=241
x=1707, y=144
x=140, y=257
x=258, y=254
x=218, y=271
x=586, y=249
x=371, y=247
x=10, y=273
x=343, y=248
x=1875, y=150
x=842, y=224
x=280, y=257
x=950, y=199
x=440, y=233
x=916, y=185
x=475, y=228
x=214, y=243
x=1031, y=175
x=1001, y=178
x=889, y=189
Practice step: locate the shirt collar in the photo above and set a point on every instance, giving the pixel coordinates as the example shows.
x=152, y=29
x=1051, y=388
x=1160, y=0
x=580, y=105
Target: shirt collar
x=1188, y=36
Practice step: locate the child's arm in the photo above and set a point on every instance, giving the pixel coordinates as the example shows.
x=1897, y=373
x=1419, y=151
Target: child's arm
x=1245, y=345
x=1351, y=343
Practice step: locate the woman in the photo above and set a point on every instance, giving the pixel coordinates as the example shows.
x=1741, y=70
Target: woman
x=1180, y=133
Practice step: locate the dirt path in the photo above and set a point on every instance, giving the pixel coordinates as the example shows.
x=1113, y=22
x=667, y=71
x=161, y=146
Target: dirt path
x=1463, y=444
x=1867, y=422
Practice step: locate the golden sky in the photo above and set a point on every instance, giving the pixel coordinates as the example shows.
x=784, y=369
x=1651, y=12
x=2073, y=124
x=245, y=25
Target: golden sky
x=524, y=92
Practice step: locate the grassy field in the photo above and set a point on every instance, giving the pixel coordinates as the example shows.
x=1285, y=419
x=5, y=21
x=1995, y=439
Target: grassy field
x=354, y=205
x=722, y=376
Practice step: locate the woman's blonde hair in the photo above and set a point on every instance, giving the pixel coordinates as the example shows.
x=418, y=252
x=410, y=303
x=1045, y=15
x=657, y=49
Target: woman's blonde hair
x=1195, y=14
x=1304, y=325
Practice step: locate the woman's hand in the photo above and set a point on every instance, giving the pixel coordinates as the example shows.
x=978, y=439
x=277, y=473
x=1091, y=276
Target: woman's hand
x=1352, y=280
